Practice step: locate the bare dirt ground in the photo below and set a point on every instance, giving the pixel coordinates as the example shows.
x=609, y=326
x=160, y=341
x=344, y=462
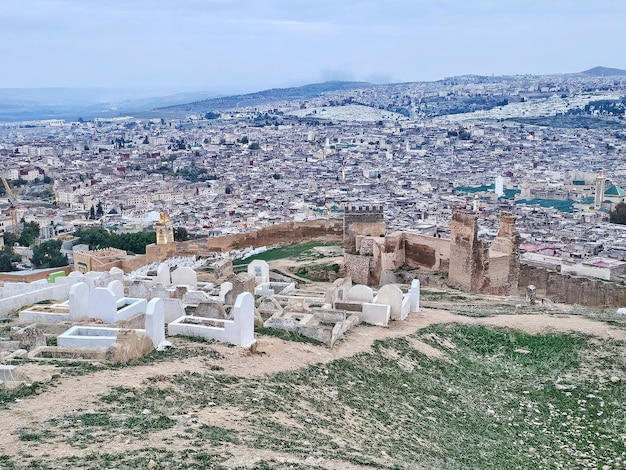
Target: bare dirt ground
x=66, y=394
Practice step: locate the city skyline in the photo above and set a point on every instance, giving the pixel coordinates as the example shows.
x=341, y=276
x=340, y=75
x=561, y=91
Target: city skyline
x=241, y=46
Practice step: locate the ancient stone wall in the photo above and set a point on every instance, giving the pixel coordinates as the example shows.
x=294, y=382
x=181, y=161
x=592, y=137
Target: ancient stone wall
x=358, y=268
x=366, y=220
x=286, y=233
x=572, y=290
x=422, y=252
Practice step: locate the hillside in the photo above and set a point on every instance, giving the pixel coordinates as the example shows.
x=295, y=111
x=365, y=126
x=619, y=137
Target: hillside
x=603, y=72
x=451, y=387
x=273, y=95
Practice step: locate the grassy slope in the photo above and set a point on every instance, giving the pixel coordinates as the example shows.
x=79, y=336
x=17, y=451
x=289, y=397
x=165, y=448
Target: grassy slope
x=495, y=399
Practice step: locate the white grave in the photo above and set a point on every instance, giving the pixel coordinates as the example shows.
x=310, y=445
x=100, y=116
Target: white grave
x=376, y=314
x=360, y=293
x=163, y=275
x=260, y=270
x=238, y=331
x=79, y=301
x=185, y=276
x=414, y=295
x=155, y=323
x=392, y=295
x=117, y=287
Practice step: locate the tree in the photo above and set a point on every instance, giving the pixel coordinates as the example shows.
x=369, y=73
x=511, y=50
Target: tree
x=181, y=234
x=29, y=234
x=48, y=255
x=254, y=146
x=618, y=215
x=99, y=210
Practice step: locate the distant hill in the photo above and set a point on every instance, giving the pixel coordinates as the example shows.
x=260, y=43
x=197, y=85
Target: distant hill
x=603, y=72
x=22, y=104
x=273, y=95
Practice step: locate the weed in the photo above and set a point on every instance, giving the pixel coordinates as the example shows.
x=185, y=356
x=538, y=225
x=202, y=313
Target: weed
x=287, y=335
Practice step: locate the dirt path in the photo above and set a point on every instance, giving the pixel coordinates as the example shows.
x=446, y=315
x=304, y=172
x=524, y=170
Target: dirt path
x=71, y=393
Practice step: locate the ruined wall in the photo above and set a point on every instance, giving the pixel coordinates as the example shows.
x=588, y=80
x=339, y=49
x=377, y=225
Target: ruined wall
x=358, y=268
x=422, y=252
x=368, y=220
x=504, y=264
x=469, y=256
x=286, y=233
x=571, y=290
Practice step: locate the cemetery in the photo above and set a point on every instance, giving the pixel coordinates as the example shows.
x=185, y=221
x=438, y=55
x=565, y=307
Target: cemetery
x=115, y=317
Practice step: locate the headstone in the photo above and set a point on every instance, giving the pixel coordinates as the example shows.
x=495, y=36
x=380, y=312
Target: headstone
x=242, y=282
x=139, y=290
x=243, y=315
x=173, y=309
x=414, y=293
x=117, y=287
x=31, y=338
x=210, y=310
x=391, y=295
x=185, y=276
x=163, y=275
x=376, y=314
x=115, y=271
x=194, y=297
x=155, y=322
x=225, y=288
x=79, y=301
x=260, y=270
x=360, y=293
x=223, y=268
x=159, y=291
x=102, y=304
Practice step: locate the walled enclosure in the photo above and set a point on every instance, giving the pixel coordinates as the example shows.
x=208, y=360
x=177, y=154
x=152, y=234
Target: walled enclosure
x=472, y=264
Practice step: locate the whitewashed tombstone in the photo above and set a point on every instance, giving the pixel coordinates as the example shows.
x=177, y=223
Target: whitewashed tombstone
x=260, y=270
x=79, y=301
x=173, y=309
x=185, y=276
x=243, y=315
x=360, y=293
x=155, y=322
x=391, y=295
x=194, y=297
x=117, y=287
x=115, y=271
x=102, y=304
x=163, y=275
x=138, y=290
x=159, y=292
x=414, y=293
x=225, y=288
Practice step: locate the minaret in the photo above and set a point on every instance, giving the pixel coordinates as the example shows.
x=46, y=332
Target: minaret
x=476, y=204
x=164, y=230
x=599, y=197
x=499, y=186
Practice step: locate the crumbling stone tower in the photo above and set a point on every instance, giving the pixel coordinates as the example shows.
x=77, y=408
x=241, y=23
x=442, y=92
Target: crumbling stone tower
x=469, y=256
x=366, y=219
x=504, y=264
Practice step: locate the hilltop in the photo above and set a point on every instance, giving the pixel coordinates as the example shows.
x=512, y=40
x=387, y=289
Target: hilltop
x=305, y=92
x=603, y=72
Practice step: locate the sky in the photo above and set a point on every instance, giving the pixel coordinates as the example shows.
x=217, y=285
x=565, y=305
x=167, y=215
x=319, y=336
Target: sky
x=232, y=46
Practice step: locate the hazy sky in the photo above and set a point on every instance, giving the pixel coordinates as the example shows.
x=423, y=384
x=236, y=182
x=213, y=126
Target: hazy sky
x=247, y=45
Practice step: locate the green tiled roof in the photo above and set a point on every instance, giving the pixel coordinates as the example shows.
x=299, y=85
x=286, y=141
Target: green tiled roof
x=615, y=191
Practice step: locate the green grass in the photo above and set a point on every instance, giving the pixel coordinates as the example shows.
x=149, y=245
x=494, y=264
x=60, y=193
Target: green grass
x=493, y=399
x=286, y=335
x=300, y=251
